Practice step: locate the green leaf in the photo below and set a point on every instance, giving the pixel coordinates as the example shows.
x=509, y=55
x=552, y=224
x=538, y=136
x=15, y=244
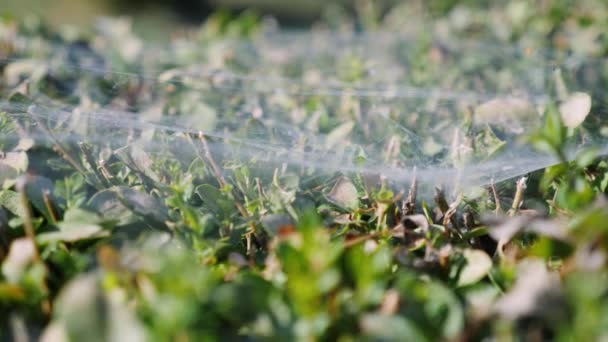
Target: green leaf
x=587, y=156
x=142, y=204
x=478, y=265
x=11, y=200
x=107, y=204
x=12, y=165
x=554, y=130
x=344, y=194
x=444, y=306
x=143, y=162
x=215, y=200
x=390, y=328
x=72, y=232
x=41, y=193
x=20, y=100
x=86, y=313
x=78, y=224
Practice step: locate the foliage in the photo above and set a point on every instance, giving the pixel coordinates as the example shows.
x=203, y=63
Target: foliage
x=135, y=243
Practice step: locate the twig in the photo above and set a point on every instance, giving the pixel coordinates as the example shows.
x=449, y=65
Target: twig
x=57, y=147
x=498, y=208
x=31, y=235
x=518, y=199
x=64, y=154
x=86, y=152
x=261, y=193
x=352, y=242
x=440, y=200
x=216, y=170
x=106, y=173
x=450, y=217
x=46, y=197
x=220, y=179
x=207, y=153
x=408, y=206
x=27, y=222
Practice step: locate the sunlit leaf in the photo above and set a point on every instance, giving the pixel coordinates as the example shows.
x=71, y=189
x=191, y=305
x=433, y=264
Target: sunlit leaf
x=478, y=264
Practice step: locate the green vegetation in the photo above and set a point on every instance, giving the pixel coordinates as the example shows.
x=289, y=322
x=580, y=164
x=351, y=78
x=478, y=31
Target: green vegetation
x=246, y=184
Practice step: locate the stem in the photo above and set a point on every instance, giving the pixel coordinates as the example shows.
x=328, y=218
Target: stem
x=498, y=208
x=207, y=156
x=519, y=196
x=207, y=153
x=57, y=147
x=46, y=197
x=88, y=157
x=28, y=224
x=450, y=217
x=408, y=206
x=440, y=200
x=31, y=235
x=352, y=242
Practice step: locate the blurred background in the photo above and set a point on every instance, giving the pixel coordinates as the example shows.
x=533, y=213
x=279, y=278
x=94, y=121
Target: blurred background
x=149, y=14
x=579, y=26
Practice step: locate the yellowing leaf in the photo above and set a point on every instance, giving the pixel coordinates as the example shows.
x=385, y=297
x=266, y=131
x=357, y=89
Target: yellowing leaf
x=344, y=194
x=477, y=267
x=19, y=257
x=339, y=133
x=575, y=109
x=512, y=114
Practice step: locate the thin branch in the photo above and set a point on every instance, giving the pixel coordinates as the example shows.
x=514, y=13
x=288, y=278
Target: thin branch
x=498, y=208
x=355, y=241
x=408, y=206
x=518, y=199
x=216, y=170
x=31, y=235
